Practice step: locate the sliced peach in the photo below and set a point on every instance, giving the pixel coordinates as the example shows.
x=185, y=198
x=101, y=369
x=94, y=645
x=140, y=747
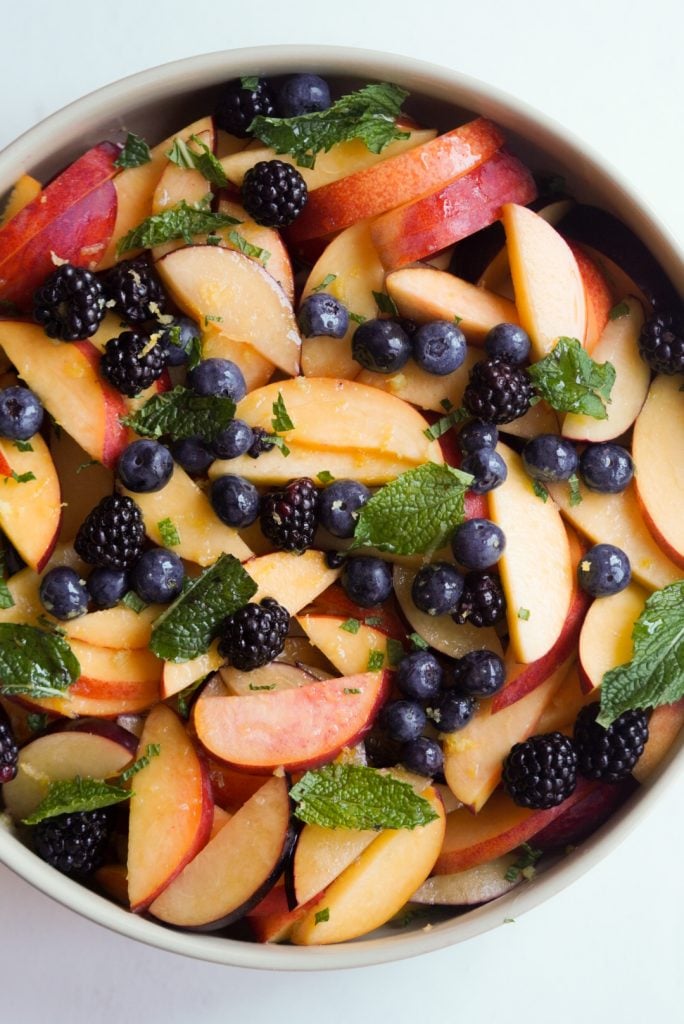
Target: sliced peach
x=84, y=482
x=177, y=677
x=664, y=726
x=30, y=500
x=597, y=295
x=24, y=190
x=270, y=678
x=293, y=580
x=619, y=281
x=181, y=184
x=278, y=262
x=471, y=887
x=606, y=638
x=426, y=390
x=322, y=854
x=560, y=713
x=539, y=419
x=348, y=652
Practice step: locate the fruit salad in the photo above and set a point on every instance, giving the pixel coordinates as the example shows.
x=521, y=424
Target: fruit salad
x=340, y=583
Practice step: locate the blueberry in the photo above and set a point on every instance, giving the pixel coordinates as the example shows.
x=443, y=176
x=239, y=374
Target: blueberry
x=366, y=580
x=14, y=563
x=107, y=586
x=322, y=314
x=404, y=720
x=219, y=377
x=478, y=544
x=509, y=343
x=550, y=458
x=334, y=559
x=21, y=413
x=303, y=94
x=63, y=593
x=439, y=347
x=488, y=469
x=604, y=570
x=422, y=756
x=606, y=467
x=339, y=504
x=419, y=675
x=234, y=500
x=234, y=441
x=145, y=466
x=193, y=455
x=437, y=589
x=381, y=345
x=176, y=339
x=479, y=673
x=157, y=577
x=452, y=710
x=476, y=435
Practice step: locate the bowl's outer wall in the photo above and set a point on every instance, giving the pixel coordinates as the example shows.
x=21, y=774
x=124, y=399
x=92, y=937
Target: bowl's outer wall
x=156, y=102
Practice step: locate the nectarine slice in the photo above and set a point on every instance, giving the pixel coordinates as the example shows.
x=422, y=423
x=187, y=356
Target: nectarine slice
x=24, y=190
x=30, y=500
x=348, y=652
x=372, y=468
x=476, y=885
x=293, y=580
x=606, y=638
x=177, y=676
x=415, y=385
x=664, y=726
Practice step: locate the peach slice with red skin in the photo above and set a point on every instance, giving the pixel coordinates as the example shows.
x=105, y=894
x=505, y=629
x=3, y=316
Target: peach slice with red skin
x=457, y=210
x=278, y=262
x=415, y=385
x=178, y=676
x=597, y=296
x=606, y=638
x=30, y=509
x=295, y=729
x=160, y=840
x=73, y=218
x=560, y=713
x=664, y=726
x=24, y=190
x=397, y=180
x=348, y=652
x=476, y=885
x=293, y=580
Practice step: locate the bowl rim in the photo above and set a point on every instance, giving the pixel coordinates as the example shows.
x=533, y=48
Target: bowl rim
x=96, y=110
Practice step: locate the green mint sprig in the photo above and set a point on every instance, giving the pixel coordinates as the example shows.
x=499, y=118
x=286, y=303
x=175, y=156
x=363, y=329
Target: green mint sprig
x=201, y=159
x=655, y=674
x=179, y=221
x=34, y=662
x=243, y=246
x=445, y=423
x=135, y=152
x=570, y=380
x=188, y=626
x=182, y=413
x=351, y=796
x=416, y=512
x=385, y=303
x=369, y=114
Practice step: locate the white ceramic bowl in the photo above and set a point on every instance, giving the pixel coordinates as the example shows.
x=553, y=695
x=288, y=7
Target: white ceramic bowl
x=153, y=104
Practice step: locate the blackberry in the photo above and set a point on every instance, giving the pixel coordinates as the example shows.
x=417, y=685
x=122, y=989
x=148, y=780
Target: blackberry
x=273, y=193
x=70, y=304
x=497, y=392
x=289, y=517
x=128, y=367
x=482, y=601
x=9, y=751
x=542, y=771
x=113, y=534
x=239, y=104
x=255, y=634
x=135, y=291
x=609, y=754
x=661, y=342
x=262, y=442
x=74, y=843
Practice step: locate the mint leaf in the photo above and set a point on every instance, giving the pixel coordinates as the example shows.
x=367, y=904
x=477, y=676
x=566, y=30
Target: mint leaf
x=395, y=651
x=34, y=662
x=281, y=418
x=325, y=476
x=6, y=599
x=351, y=796
x=37, y=721
x=523, y=867
x=77, y=794
x=368, y=114
x=622, y=309
x=655, y=675
x=376, y=659
x=23, y=446
x=385, y=303
x=417, y=642
x=180, y=221
x=540, y=490
x=524, y=614
x=135, y=152
x=187, y=627
x=575, y=492
x=416, y=512
x=322, y=915
x=181, y=413
x=350, y=625
x=358, y=318
x=151, y=750
x=445, y=423
x=255, y=251
x=132, y=601
x=322, y=285
x=168, y=532
x=250, y=82
x=570, y=380
x=203, y=161
x=20, y=478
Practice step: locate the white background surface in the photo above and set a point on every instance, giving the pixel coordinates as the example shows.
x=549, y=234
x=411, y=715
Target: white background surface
x=609, y=949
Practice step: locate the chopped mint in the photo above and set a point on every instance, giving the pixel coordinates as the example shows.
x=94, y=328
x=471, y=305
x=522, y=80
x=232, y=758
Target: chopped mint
x=264, y=686
x=368, y=114
x=524, y=865
x=185, y=696
x=407, y=916
x=417, y=642
x=327, y=280
x=87, y=465
x=622, y=309
x=570, y=380
x=180, y=221
x=36, y=722
x=575, y=492
x=509, y=920
x=358, y=318
x=194, y=349
x=348, y=690
x=187, y=627
x=395, y=652
x=540, y=490
x=351, y=796
x=20, y=478
x=524, y=614
x=655, y=674
x=151, y=750
x=23, y=446
x=351, y=625
x=70, y=795
x=49, y=625
x=376, y=659
x=416, y=512
x=373, y=620
x=322, y=915
x=6, y=599
x=169, y=533
x=458, y=320
x=181, y=413
x=445, y=423
x=250, y=82
x=213, y=240
x=385, y=303
x=135, y=152
x=132, y=601
x=325, y=476
x=201, y=159
x=34, y=662
x=211, y=318
x=255, y=251
x=447, y=404
x=281, y=419
x=279, y=443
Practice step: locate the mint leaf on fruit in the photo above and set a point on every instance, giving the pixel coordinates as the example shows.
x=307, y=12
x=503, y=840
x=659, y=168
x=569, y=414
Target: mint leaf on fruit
x=368, y=114
x=200, y=159
x=327, y=280
x=575, y=492
x=254, y=251
x=182, y=413
x=34, y=662
x=351, y=796
x=540, y=490
x=417, y=642
x=188, y=626
x=71, y=795
x=376, y=659
x=151, y=750
x=655, y=675
x=135, y=152
x=358, y=318
x=37, y=721
x=395, y=652
x=445, y=423
x=322, y=915
x=622, y=309
x=350, y=625
x=524, y=866
x=180, y=221
x=416, y=512
x=168, y=532
x=250, y=82
x=132, y=601
x=20, y=478
x=6, y=599
x=385, y=303
x=325, y=476
x=570, y=380
x=23, y=446
x=281, y=418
